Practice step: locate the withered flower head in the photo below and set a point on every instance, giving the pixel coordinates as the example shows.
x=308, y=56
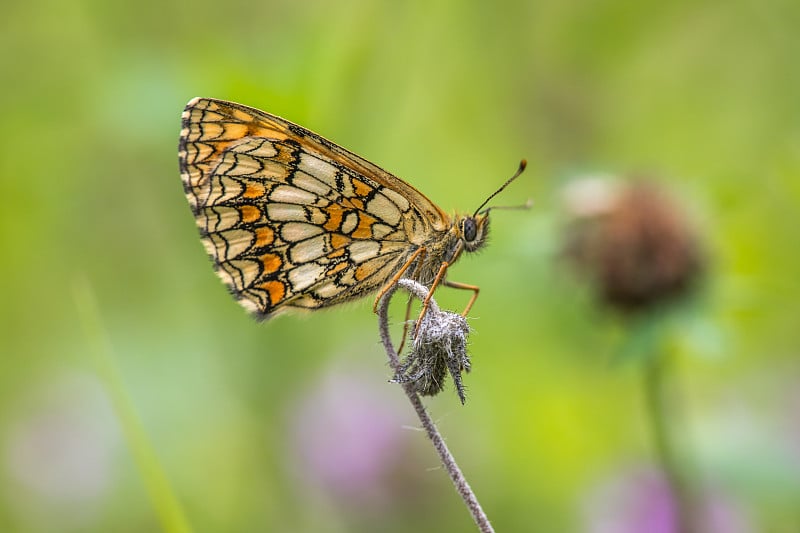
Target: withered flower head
x=632, y=242
x=439, y=345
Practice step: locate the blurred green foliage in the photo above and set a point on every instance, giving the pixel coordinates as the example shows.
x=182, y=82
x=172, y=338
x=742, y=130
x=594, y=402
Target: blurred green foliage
x=448, y=95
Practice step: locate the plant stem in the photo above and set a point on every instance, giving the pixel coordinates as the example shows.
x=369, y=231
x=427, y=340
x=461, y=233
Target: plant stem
x=457, y=477
x=662, y=414
x=167, y=507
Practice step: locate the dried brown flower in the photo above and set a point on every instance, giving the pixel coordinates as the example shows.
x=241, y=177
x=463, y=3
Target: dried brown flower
x=632, y=242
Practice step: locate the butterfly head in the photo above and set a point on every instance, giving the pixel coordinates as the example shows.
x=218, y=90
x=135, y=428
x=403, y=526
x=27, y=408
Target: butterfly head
x=473, y=230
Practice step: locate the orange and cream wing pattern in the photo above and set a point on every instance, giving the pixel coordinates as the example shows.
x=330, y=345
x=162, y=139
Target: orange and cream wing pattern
x=290, y=219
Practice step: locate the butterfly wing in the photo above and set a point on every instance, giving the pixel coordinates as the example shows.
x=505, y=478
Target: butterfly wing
x=290, y=219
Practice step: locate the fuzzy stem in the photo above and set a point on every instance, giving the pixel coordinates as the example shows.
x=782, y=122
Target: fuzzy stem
x=449, y=462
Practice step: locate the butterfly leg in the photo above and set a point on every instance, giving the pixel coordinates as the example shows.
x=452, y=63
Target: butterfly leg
x=474, y=288
x=418, y=253
x=405, y=324
x=427, y=301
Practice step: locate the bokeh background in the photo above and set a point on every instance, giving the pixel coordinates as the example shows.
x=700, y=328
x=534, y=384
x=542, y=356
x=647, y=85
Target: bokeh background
x=135, y=395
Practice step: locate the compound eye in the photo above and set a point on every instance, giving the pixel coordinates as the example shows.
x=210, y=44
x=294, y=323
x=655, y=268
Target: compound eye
x=470, y=229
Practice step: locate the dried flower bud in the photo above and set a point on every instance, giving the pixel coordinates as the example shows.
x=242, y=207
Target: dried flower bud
x=632, y=242
x=439, y=345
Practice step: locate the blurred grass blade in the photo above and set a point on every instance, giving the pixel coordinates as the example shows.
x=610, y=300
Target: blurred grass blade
x=167, y=506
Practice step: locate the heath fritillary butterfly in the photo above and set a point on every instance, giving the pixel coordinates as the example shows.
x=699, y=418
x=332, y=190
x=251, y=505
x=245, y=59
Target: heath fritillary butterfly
x=294, y=221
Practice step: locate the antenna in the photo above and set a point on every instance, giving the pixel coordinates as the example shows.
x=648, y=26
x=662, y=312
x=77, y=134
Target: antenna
x=522, y=165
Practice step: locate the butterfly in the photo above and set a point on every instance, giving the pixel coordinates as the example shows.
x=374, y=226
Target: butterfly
x=292, y=221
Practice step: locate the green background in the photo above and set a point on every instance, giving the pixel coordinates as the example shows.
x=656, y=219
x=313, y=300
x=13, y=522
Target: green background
x=449, y=96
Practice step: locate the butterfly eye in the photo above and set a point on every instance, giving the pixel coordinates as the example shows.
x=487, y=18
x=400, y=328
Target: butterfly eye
x=470, y=229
